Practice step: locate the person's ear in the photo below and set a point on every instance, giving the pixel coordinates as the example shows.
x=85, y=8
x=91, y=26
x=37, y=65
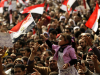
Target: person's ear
x=67, y=41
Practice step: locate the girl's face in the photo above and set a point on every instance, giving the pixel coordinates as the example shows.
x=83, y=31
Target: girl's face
x=62, y=41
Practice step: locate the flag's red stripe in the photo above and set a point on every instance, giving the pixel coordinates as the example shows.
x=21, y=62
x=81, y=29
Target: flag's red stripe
x=65, y=2
x=93, y=17
x=17, y=27
x=26, y=10
x=84, y=3
x=2, y=3
x=47, y=7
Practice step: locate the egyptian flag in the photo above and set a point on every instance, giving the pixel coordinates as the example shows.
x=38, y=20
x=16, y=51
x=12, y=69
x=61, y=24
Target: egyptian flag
x=2, y=5
x=70, y=11
x=86, y=6
x=34, y=9
x=22, y=28
x=66, y=5
x=10, y=11
x=92, y=22
x=47, y=8
x=34, y=32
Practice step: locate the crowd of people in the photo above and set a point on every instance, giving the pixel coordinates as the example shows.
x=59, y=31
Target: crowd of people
x=59, y=44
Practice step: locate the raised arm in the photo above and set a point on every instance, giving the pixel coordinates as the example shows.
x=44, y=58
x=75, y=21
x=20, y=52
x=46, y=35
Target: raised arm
x=47, y=41
x=94, y=59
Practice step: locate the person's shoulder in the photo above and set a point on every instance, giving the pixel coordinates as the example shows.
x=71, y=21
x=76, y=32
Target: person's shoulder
x=69, y=47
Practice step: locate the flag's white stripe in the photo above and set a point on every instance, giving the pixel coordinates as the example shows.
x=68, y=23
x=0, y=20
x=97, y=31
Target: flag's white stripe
x=87, y=6
x=63, y=7
x=23, y=27
x=1, y=9
x=70, y=3
x=38, y=10
x=95, y=26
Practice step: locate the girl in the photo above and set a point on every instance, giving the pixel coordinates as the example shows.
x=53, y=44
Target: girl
x=64, y=54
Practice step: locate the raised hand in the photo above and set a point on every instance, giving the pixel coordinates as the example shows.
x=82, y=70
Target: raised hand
x=43, y=37
x=36, y=72
x=35, y=48
x=65, y=66
x=94, y=58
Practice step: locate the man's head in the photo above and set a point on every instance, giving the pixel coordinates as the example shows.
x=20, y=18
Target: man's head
x=19, y=69
x=17, y=45
x=9, y=60
x=25, y=59
x=27, y=51
x=53, y=34
x=83, y=26
x=18, y=61
x=82, y=43
x=45, y=54
x=68, y=30
x=29, y=34
x=88, y=56
x=31, y=43
x=22, y=51
x=53, y=64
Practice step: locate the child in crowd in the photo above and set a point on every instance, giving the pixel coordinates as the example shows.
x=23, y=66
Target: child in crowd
x=64, y=54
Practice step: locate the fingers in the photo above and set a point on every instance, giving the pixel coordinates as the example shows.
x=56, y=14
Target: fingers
x=35, y=70
x=65, y=66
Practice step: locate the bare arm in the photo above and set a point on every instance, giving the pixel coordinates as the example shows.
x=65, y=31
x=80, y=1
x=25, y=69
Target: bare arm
x=94, y=59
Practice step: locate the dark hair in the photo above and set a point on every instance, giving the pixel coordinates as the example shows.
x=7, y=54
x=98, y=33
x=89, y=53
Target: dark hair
x=39, y=41
x=70, y=39
x=25, y=58
x=9, y=57
x=54, y=32
x=77, y=33
x=9, y=65
x=66, y=37
x=48, y=58
x=82, y=30
x=18, y=54
x=90, y=53
x=50, y=53
x=27, y=49
x=40, y=62
x=23, y=43
x=37, y=58
x=69, y=29
x=20, y=66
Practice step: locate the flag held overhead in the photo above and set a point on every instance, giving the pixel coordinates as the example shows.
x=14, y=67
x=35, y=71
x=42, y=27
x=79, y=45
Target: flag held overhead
x=67, y=4
x=34, y=9
x=92, y=22
x=22, y=28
